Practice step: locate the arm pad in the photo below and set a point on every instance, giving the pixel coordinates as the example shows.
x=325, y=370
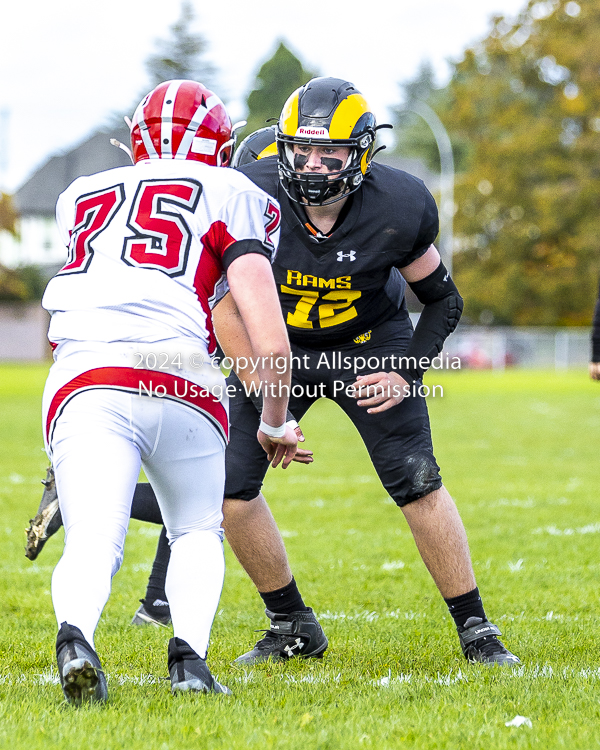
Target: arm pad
x=440, y=316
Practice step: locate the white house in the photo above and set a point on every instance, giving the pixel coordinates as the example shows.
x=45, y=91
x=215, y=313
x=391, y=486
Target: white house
x=38, y=242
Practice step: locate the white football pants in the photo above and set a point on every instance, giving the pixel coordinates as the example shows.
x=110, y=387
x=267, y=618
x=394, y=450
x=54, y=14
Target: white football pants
x=99, y=443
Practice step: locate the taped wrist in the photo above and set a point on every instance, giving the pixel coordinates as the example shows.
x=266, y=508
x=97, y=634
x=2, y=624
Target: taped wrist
x=440, y=316
x=257, y=400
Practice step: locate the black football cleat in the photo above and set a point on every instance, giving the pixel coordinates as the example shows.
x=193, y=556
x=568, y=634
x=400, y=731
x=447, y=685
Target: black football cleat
x=144, y=616
x=480, y=644
x=294, y=634
x=47, y=521
x=81, y=675
x=189, y=672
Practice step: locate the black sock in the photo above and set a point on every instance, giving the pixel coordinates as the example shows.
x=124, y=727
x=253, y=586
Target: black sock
x=464, y=606
x=144, y=506
x=284, y=601
x=155, y=591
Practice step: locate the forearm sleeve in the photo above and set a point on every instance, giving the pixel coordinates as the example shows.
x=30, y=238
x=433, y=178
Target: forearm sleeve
x=440, y=316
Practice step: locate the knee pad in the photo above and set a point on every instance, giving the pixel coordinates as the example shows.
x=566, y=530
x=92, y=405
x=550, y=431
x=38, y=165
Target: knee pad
x=422, y=476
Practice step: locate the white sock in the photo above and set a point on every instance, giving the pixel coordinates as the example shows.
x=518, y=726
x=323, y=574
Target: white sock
x=81, y=583
x=193, y=586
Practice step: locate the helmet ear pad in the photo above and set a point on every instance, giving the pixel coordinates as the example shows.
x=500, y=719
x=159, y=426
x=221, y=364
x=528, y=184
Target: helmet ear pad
x=367, y=126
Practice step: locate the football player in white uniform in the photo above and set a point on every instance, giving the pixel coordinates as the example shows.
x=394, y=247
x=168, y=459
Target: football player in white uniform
x=133, y=380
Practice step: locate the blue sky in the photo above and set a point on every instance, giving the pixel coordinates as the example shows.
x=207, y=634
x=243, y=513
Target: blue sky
x=66, y=65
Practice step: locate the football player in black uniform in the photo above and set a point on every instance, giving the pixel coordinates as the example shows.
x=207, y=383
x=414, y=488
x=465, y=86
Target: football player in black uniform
x=353, y=233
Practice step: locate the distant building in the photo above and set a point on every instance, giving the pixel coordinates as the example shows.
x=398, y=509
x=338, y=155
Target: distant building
x=38, y=242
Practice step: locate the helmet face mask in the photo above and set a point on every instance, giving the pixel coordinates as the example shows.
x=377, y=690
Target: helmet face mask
x=182, y=120
x=326, y=112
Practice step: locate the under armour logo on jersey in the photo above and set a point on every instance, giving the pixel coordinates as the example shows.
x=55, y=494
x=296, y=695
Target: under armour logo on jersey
x=290, y=649
x=351, y=255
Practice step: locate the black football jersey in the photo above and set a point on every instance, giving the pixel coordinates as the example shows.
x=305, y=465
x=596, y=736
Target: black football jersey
x=335, y=288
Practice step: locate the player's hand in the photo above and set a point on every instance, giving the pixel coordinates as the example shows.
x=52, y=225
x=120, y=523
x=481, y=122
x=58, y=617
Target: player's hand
x=379, y=391
x=279, y=448
x=594, y=368
x=302, y=455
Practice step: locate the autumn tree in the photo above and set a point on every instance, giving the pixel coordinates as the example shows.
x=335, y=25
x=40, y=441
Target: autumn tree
x=525, y=103
x=21, y=284
x=8, y=214
x=277, y=78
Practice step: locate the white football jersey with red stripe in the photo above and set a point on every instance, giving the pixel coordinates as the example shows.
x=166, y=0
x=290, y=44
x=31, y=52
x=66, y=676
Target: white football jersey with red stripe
x=146, y=247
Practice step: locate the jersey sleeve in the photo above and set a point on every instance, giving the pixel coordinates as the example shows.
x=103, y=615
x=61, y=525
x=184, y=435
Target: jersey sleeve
x=251, y=222
x=243, y=247
x=429, y=228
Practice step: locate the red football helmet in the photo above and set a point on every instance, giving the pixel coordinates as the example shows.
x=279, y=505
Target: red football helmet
x=182, y=120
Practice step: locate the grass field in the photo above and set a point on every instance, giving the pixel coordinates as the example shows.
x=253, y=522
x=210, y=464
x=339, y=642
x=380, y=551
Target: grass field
x=519, y=452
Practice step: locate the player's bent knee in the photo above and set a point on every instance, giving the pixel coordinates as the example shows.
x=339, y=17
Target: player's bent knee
x=421, y=477
x=101, y=551
x=244, y=495
x=198, y=534
x=177, y=533
x=234, y=500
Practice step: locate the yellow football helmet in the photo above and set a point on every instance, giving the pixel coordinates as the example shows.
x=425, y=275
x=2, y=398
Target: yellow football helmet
x=255, y=146
x=325, y=112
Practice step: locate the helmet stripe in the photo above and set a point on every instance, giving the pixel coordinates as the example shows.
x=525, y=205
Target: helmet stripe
x=195, y=123
x=151, y=151
x=270, y=150
x=191, y=130
x=346, y=116
x=288, y=122
x=166, y=117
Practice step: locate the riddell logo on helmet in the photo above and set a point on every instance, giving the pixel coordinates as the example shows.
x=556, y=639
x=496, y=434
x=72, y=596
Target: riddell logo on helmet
x=314, y=132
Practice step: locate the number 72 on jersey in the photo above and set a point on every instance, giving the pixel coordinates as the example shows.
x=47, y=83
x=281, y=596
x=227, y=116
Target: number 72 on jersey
x=333, y=307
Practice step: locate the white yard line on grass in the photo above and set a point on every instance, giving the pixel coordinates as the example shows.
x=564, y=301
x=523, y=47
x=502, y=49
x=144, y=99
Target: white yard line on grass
x=591, y=528
x=530, y=672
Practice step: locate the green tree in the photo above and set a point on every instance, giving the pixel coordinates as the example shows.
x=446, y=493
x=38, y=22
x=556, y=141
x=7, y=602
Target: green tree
x=526, y=100
x=182, y=54
x=277, y=78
